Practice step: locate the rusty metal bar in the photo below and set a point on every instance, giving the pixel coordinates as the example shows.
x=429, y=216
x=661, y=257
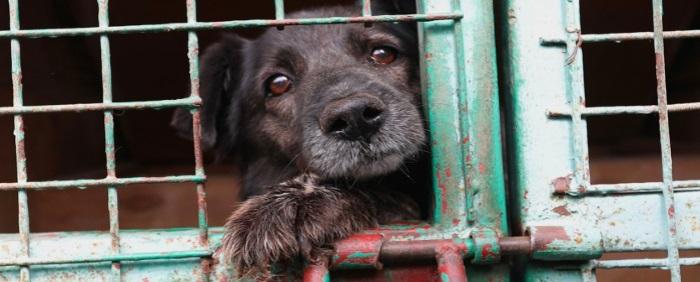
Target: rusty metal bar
x=421, y=250
x=664, y=133
x=643, y=263
x=112, y=196
x=515, y=245
x=237, y=24
x=619, y=110
x=317, y=272
x=577, y=94
x=85, y=183
x=98, y=107
x=20, y=154
x=450, y=265
x=630, y=188
x=193, y=60
x=109, y=258
x=618, y=37
x=366, y=8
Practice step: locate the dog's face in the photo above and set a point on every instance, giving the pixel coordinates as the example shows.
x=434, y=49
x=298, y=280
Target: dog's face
x=341, y=101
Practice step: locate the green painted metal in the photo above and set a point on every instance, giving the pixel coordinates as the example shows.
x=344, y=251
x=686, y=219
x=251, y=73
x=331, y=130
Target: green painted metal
x=199, y=26
x=546, y=122
x=461, y=94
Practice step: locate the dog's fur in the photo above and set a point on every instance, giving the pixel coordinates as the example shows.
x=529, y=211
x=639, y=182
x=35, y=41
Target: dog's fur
x=307, y=188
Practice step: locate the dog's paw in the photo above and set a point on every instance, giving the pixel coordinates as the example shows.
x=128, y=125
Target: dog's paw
x=261, y=232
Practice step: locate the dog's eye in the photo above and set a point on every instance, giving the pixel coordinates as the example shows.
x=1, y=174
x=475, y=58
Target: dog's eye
x=383, y=55
x=278, y=84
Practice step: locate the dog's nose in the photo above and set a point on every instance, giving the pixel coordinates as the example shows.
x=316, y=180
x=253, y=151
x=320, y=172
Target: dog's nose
x=357, y=117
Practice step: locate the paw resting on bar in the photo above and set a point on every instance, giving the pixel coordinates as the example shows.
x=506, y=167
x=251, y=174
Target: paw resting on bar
x=302, y=218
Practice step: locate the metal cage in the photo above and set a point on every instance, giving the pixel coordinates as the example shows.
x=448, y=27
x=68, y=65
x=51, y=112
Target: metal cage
x=549, y=168
x=462, y=109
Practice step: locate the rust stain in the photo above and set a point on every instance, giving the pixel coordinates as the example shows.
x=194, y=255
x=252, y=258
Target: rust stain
x=561, y=184
x=671, y=211
x=562, y=210
x=448, y=172
x=547, y=234
x=487, y=252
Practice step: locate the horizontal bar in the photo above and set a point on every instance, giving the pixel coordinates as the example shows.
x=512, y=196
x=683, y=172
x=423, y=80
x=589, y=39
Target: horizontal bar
x=100, y=182
x=633, y=188
x=196, y=26
x=619, y=110
x=642, y=263
x=616, y=37
x=110, y=106
x=108, y=258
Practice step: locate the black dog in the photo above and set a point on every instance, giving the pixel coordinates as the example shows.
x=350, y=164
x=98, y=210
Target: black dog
x=326, y=121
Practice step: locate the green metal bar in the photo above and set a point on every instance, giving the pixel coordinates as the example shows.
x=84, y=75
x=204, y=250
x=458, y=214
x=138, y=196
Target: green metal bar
x=481, y=121
x=617, y=37
x=643, y=263
x=366, y=8
x=193, y=59
x=86, y=183
x=619, y=110
x=112, y=196
x=664, y=133
x=20, y=154
x=237, y=24
x=442, y=101
x=109, y=258
x=577, y=95
x=191, y=102
x=279, y=9
x=633, y=188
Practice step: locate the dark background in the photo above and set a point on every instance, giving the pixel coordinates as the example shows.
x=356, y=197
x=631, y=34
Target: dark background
x=154, y=67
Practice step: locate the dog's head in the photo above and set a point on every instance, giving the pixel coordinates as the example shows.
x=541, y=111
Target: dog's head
x=341, y=101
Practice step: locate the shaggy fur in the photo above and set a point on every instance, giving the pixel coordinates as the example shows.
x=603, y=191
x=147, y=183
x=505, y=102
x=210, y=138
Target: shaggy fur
x=307, y=186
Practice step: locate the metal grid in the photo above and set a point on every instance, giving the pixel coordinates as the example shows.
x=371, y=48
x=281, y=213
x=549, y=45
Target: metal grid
x=449, y=92
x=576, y=186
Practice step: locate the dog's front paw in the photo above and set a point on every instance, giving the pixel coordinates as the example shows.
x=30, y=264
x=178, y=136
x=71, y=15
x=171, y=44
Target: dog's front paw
x=261, y=232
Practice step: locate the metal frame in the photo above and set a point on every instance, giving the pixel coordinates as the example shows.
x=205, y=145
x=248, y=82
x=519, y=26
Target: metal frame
x=462, y=108
x=549, y=148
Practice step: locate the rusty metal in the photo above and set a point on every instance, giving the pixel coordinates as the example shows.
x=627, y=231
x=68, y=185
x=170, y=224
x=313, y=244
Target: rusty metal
x=470, y=183
x=98, y=107
x=450, y=265
x=360, y=251
x=317, y=272
x=238, y=24
x=88, y=183
x=620, y=110
x=665, y=136
x=618, y=37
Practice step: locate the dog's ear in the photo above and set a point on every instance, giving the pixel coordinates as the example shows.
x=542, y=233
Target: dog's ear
x=393, y=7
x=221, y=69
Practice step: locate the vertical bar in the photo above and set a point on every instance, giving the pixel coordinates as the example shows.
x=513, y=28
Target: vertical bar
x=279, y=9
x=479, y=102
x=442, y=102
x=574, y=71
x=317, y=272
x=21, y=159
x=112, y=196
x=193, y=59
x=366, y=8
x=664, y=134
x=450, y=266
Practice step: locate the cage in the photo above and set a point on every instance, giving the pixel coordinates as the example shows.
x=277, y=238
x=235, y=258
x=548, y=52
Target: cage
x=535, y=214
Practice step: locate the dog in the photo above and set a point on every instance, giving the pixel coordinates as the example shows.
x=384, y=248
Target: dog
x=328, y=125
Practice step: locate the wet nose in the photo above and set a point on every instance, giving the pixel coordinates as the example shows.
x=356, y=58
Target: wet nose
x=357, y=117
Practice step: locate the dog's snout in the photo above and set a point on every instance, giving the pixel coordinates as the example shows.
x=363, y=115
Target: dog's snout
x=356, y=117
